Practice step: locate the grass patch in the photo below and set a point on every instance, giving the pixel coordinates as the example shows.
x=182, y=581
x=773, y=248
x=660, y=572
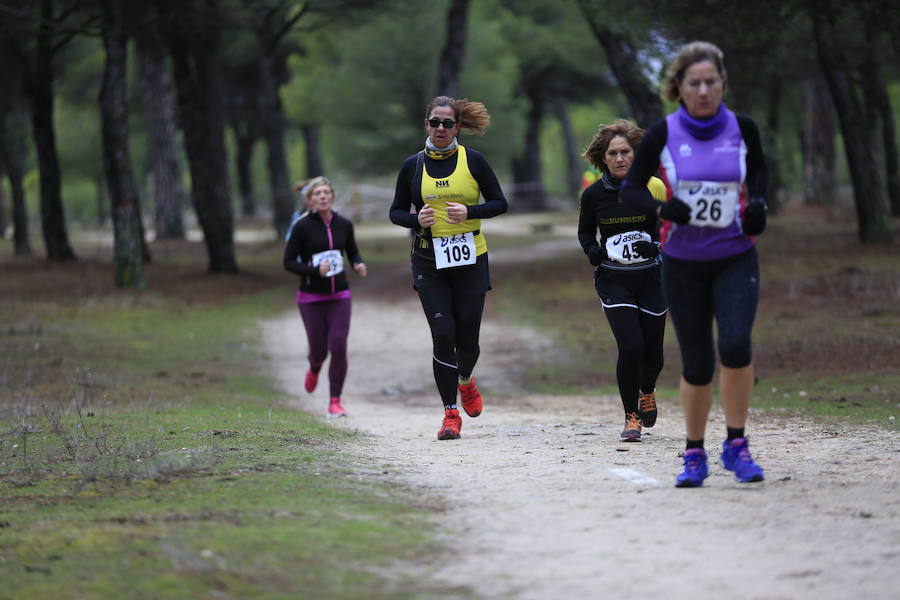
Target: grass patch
x=143, y=454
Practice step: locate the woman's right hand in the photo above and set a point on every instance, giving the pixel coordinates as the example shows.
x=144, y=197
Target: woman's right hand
x=324, y=267
x=426, y=216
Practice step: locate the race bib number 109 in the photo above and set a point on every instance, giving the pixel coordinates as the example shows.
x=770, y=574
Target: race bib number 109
x=454, y=250
x=713, y=203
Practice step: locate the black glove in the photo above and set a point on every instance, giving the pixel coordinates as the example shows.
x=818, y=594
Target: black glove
x=675, y=210
x=596, y=255
x=754, y=221
x=646, y=249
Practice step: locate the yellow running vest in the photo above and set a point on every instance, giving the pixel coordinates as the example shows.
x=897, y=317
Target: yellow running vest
x=459, y=187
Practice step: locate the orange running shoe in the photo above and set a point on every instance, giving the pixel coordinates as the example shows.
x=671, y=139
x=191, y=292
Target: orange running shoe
x=452, y=424
x=471, y=397
x=647, y=408
x=632, y=431
x=311, y=380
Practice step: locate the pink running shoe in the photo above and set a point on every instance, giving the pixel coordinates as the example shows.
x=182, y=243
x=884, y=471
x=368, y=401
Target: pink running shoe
x=336, y=409
x=312, y=379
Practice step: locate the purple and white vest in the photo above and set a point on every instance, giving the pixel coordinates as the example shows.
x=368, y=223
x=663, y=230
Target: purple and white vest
x=709, y=175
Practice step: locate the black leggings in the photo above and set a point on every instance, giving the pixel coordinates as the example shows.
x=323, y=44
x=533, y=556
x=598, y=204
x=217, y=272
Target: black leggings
x=725, y=289
x=639, y=337
x=453, y=301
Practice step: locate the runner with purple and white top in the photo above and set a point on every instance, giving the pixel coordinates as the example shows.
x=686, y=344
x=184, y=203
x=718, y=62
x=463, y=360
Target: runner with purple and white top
x=712, y=163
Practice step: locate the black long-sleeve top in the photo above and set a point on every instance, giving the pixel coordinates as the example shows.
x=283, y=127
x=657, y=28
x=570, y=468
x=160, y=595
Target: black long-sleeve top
x=311, y=235
x=408, y=192
x=602, y=210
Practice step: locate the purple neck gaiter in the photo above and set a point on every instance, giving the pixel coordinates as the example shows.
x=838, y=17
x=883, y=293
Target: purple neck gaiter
x=704, y=129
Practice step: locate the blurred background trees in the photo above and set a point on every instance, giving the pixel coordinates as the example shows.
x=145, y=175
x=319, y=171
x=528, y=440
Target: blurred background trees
x=153, y=118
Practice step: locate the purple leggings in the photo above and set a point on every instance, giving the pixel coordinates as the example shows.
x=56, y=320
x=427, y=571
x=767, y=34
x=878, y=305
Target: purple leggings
x=327, y=326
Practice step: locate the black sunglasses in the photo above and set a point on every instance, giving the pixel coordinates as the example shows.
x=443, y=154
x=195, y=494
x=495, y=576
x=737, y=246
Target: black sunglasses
x=447, y=123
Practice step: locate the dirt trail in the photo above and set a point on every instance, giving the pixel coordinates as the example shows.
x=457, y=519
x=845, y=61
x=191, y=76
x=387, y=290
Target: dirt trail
x=542, y=501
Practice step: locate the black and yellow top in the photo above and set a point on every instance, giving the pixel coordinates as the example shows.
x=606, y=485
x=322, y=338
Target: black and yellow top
x=462, y=177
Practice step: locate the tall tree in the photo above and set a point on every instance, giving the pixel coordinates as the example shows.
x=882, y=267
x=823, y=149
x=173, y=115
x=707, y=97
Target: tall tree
x=13, y=130
x=818, y=142
x=271, y=23
x=158, y=96
x=314, y=166
x=12, y=154
x=881, y=114
x=547, y=71
x=454, y=49
x=623, y=58
x=574, y=161
x=128, y=233
x=864, y=168
x=192, y=30
x=40, y=77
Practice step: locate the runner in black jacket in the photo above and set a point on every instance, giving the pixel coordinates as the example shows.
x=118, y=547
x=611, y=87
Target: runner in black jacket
x=626, y=273
x=315, y=251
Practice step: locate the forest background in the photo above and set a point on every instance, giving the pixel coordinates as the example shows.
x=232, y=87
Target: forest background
x=148, y=152
x=147, y=118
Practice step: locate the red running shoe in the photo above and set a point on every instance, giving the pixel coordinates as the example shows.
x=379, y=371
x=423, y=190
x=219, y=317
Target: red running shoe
x=336, y=409
x=311, y=380
x=471, y=398
x=452, y=424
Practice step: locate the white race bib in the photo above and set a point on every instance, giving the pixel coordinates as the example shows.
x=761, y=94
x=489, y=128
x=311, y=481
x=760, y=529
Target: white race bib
x=713, y=203
x=620, y=247
x=335, y=261
x=454, y=251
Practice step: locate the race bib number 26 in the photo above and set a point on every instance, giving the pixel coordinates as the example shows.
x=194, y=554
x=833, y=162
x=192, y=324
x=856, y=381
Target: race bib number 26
x=454, y=250
x=713, y=203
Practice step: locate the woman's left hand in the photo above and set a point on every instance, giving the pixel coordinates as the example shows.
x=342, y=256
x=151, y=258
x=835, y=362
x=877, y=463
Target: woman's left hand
x=456, y=213
x=361, y=269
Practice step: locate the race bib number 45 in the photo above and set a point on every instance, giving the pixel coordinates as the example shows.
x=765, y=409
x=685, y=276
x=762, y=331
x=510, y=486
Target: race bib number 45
x=454, y=250
x=620, y=247
x=335, y=261
x=713, y=203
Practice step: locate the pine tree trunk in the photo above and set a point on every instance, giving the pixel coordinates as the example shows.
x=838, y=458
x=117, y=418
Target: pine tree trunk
x=879, y=103
x=313, y=151
x=128, y=235
x=243, y=157
x=621, y=55
x=574, y=163
x=454, y=49
x=528, y=194
x=4, y=221
x=12, y=152
x=273, y=131
x=864, y=170
x=818, y=144
x=53, y=218
x=194, y=48
x=159, y=104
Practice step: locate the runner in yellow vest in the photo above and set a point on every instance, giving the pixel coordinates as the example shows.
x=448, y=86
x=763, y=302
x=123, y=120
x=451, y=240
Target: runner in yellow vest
x=449, y=259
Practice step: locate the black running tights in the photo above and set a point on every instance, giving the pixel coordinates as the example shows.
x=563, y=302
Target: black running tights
x=455, y=321
x=639, y=337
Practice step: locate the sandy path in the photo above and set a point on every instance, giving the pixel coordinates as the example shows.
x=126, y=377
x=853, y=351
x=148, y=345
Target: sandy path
x=542, y=501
